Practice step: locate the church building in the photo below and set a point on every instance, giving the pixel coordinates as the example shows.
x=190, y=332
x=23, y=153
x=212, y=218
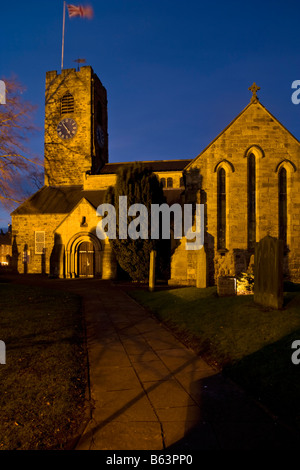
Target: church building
x=247, y=178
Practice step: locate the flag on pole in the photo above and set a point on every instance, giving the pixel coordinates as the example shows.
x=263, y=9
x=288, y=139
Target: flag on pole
x=82, y=11
x=74, y=10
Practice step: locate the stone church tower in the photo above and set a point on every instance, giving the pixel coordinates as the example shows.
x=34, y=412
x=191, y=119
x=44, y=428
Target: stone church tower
x=76, y=138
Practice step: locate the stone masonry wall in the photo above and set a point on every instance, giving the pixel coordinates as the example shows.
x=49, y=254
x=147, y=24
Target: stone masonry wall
x=256, y=131
x=66, y=160
x=23, y=238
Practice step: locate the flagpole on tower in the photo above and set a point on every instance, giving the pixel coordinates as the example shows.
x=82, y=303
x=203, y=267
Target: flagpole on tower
x=63, y=37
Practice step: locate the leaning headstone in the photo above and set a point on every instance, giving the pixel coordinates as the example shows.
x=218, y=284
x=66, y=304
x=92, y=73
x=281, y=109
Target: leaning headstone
x=226, y=286
x=152, y=271
x=201, y=276
x=268, y=272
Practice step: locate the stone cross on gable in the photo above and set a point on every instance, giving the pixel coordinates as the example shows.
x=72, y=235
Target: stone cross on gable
x=254, y=88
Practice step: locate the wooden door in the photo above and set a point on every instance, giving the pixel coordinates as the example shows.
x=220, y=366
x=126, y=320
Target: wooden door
x=86, y=255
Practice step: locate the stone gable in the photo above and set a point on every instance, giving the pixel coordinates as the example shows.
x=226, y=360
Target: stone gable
x=255, y=131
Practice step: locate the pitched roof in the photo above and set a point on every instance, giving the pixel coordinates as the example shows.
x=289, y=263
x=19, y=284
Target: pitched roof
x=156, y=165
x=257, y=102
x=58, y=200
x=63, y=199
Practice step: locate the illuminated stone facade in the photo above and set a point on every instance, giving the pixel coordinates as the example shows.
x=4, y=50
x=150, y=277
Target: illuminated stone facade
x=75, y=102
x=254, y=134
x=247, y=178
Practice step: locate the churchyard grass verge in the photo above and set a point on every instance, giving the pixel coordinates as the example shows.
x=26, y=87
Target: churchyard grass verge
x=43, y=382
x=249, y=343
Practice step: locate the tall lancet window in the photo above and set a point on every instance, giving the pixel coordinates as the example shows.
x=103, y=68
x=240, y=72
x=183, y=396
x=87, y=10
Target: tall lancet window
x=251, y=202
x=282, y=186
x=221, y=209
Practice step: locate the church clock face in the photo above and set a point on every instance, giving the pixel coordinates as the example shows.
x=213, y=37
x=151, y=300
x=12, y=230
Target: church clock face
x=67, y=128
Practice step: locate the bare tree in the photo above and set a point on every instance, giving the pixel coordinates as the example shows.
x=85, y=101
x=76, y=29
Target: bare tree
x=17, y=166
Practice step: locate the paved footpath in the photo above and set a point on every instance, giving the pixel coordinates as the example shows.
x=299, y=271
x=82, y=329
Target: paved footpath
x=149, y=392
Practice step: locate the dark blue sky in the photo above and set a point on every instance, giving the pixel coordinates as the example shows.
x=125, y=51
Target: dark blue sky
x=176, y=72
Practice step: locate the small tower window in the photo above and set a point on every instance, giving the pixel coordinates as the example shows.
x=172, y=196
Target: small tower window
x=163, y=182
x=170, y=183
x=67, y=104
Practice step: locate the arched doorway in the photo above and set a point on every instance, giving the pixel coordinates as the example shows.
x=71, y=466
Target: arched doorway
x=86, y=259
x=83, y=256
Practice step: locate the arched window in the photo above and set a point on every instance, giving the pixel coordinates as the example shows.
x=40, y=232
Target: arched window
x=67, y=104
x=282, y=188
x=170, y=183
x=181, y=182
x=221, y=227
x=99, y=115
x=163, y=182
x=251, y=202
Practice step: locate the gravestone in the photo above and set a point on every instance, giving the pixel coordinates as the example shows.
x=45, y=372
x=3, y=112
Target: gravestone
x=201, y=274
x=2, y=353
x=226, y=286
x=268, y=272
x=152, y=270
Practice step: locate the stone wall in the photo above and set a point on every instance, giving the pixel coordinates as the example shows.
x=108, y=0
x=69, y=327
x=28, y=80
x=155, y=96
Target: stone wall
x=23, y=240
x=255, y=131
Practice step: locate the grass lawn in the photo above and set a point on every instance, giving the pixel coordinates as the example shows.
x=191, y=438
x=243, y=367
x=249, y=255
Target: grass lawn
x=250, y=343
x=43, y=382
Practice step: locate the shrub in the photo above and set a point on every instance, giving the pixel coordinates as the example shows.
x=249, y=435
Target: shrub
x=140, y=185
